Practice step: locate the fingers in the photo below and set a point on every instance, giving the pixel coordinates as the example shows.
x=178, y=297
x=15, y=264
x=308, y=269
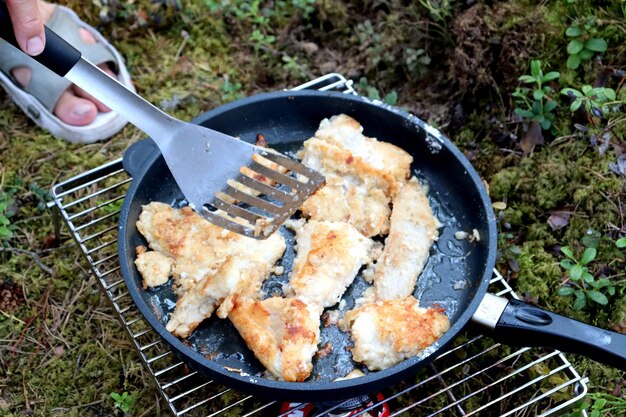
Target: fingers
x=27, y=25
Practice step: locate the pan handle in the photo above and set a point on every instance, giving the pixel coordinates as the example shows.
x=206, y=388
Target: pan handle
x=139, y=157
x=517, y=323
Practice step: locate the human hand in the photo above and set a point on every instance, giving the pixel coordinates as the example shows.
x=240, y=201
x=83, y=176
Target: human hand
x=27, y=24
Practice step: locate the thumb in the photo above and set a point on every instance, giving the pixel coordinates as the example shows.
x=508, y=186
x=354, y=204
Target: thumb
x=27, y=25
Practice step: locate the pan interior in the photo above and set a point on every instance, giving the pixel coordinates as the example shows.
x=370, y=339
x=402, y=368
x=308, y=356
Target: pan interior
x=455, y=270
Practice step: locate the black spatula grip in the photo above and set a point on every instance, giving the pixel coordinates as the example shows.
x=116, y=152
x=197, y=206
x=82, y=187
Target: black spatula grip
x=58, y=55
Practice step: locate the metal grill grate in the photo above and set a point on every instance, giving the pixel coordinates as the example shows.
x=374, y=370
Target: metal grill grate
x=476, y=377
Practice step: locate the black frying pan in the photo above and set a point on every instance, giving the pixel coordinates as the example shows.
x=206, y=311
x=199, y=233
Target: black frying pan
x=456, y=276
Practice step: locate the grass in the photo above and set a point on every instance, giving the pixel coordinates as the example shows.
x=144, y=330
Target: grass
x=61, y=350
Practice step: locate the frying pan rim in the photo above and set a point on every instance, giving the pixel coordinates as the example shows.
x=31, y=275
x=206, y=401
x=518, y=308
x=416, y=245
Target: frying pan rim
x=290, y=390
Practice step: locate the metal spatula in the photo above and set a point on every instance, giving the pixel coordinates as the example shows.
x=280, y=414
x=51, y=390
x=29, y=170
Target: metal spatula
x=207, y=165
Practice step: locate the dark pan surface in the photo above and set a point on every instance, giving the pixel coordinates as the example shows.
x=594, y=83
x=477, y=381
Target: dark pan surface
x=455, y=277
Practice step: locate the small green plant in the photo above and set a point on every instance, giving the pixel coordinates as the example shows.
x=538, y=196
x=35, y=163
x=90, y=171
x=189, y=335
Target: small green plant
x=231, y=91
x=372, y=92
x=123, y=401
x=6, y=229
x=621, y=242
x=535, y=103
x=416, y=60
x=582, y=284
x=439, y=10
x=600, y=404
x=583, y=45
x=597, y=101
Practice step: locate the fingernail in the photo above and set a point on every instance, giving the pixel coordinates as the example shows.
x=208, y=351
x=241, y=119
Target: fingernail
x=81, y=109
x=34, y=46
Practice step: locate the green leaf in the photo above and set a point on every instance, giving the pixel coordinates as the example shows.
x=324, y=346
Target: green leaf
x=621, y=242
x=549, y=106
x=588, y=278
x=552, y=75
x=535, y=68
x=5, y=233
x=573, y=61
x=565, y=291
x=585, y=54
x=527, y=79
x=599, y=403
x=392, y=98
x=579, y=301
x=596, y=45
x=576, y=272
x=524, y=113
x=571, y=92
x=611, y=290
x=598, y=297
x=573, y=31
x=545, y=124
x=568, y=252
x=603, y=282
x=4, y=221
x=574, y=47
x=537, y=94
x=586, y=89
x=609, y=93
x=566, y=264
x=575, y=105
x=588, y=256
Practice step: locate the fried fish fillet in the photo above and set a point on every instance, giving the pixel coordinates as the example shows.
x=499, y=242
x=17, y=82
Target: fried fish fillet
x=354, y=192
x=154, y=267
x=329, y=257
x=388, y=332
x=413, y=230
x=362, y=175
x=344, y=131
x=283, y=333
x=211, y=264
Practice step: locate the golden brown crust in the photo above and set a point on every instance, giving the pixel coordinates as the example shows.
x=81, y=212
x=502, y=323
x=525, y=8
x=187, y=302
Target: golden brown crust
x=154, y=267
x=282, y=333
x=387, y=332
x=413, y=230
x=329, y=257
x=211, y=264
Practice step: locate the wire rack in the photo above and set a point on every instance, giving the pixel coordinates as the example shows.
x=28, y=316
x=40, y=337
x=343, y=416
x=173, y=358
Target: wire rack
x=475, y=377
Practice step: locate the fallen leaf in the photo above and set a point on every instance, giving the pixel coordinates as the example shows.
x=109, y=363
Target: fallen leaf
x=558, y=220
x=619, y=167
x=531, y=138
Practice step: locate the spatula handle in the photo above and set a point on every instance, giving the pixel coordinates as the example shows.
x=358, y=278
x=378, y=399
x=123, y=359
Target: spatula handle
x=58, y=55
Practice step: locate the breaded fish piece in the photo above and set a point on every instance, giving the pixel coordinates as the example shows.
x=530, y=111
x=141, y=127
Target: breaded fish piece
x=413, y=230
x=367, y=209
x=344, y=131
x=283, y=333
x=154, y=267
x=211, y=264
x=329, y=257
x=388, y=332
x=354, y=192
x=183, y=234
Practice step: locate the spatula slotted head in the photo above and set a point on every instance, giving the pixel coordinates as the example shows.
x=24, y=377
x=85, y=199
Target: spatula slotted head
x=246, y=189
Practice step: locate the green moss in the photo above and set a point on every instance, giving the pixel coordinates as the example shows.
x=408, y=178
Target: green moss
x=539, y=272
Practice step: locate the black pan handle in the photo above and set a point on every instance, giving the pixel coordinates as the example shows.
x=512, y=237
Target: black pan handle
x=58, y=55
x=139, y=157
x=521, y=324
